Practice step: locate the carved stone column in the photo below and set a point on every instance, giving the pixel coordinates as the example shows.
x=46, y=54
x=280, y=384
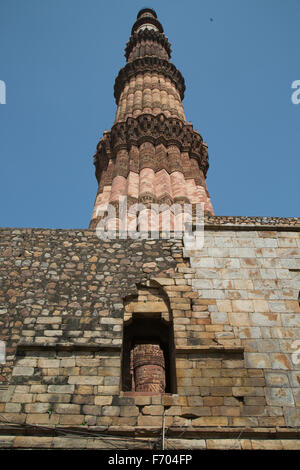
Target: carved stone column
x=149, y=368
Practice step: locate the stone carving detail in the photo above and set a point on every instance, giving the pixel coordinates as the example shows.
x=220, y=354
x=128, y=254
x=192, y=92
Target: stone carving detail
x=144, y=35
x=148, y=64
x=149, y=368
x=157, y=130
x=150, y=20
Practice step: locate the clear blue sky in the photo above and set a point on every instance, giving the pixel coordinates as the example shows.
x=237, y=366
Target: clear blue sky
x=59, y=60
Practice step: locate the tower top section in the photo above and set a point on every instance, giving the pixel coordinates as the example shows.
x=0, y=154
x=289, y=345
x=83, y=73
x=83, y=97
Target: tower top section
x=148, y=51
x=144, y=12
x=151, y=155
x=147, y=18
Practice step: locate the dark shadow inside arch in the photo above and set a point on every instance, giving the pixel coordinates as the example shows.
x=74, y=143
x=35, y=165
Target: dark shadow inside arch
x=141, y=330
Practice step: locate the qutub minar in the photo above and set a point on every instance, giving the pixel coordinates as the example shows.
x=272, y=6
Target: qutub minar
x=151, y=342
x=151, y=155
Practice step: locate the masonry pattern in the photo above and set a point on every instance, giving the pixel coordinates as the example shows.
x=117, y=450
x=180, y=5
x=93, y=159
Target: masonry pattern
x=116, y=340
x=152, y=155
x=234, y=307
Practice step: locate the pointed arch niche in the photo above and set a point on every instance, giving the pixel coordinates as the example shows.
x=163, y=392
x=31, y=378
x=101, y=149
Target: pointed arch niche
x=148, y=351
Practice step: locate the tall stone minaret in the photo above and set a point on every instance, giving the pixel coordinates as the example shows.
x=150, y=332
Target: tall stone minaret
x=152, y=154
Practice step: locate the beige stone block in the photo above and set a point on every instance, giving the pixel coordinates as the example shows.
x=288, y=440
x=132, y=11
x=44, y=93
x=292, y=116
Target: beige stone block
x=170, y=400
x=292, y=305
x=219, y=317
x=43, y=418
x=245, y=421
x=246, y=444
x=182, y=381
x=19, y=389
x=215, y=328
x=12, y=408
x=38, y=388
x=85, y=380
x=87, y=362
x=182, y=306
x=166, y=281
x=224, y=305
x=258, y=360
x=52, y=333
x=53, y=398
x=239, y=319
x=242, y=306
x=109, y=371
x=61, y=388
x=6, y=442
x=142, y=400
x=111, y=411
x=212, y=401
x=243, y=284
x=223, y=444
x=67, y=408
x=129, y=411
x=193, y=411
x=264, y=319
x=37, y=408
x=279, y=397
x=290, y=444
x=255, y=410
x=263, y=444
x=174, y=411
x=211, y=421
x=104, y=421
x=189, y=444
x=67, y=362
x=108, y=389
x=106, y=400
x=22, y=398
x=261, y=306
x=254, y=400
x=33, y=442
x=281, y=361
x=271, y=421
x=152, y=421
x=247, y=391
x=69, y=443
x=49, y=320
x=26, y=362
x=249, y=332
x=75, y=420
x=91, y=410
x=154, y=410
x=150, y=307
x=17, y=418
x=23, y=371
x=128, y=422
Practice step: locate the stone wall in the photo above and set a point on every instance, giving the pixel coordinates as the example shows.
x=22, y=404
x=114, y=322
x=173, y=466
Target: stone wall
x=233, y=307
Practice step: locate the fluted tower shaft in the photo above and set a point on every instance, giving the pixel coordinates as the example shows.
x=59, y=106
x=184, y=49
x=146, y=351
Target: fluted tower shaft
x=151, y=154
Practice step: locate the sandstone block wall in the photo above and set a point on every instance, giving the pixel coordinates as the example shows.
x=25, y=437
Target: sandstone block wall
x=233, y=307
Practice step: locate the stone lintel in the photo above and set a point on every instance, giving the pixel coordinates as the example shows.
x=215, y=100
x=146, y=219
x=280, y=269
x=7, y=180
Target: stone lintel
x=215, y=350
x=67, y=347
x=204, y=432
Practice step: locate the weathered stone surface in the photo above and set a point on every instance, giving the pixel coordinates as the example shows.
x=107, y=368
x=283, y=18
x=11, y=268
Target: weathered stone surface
x=279, y=397
x=277, y=379
x=234, y=359
x=188, y=444
x=67, y=408
x=292, y=416
x=33, y=442
x=220, y=444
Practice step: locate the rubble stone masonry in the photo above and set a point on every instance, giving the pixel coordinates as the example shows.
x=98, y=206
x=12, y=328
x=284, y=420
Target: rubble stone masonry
x=233, y=307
